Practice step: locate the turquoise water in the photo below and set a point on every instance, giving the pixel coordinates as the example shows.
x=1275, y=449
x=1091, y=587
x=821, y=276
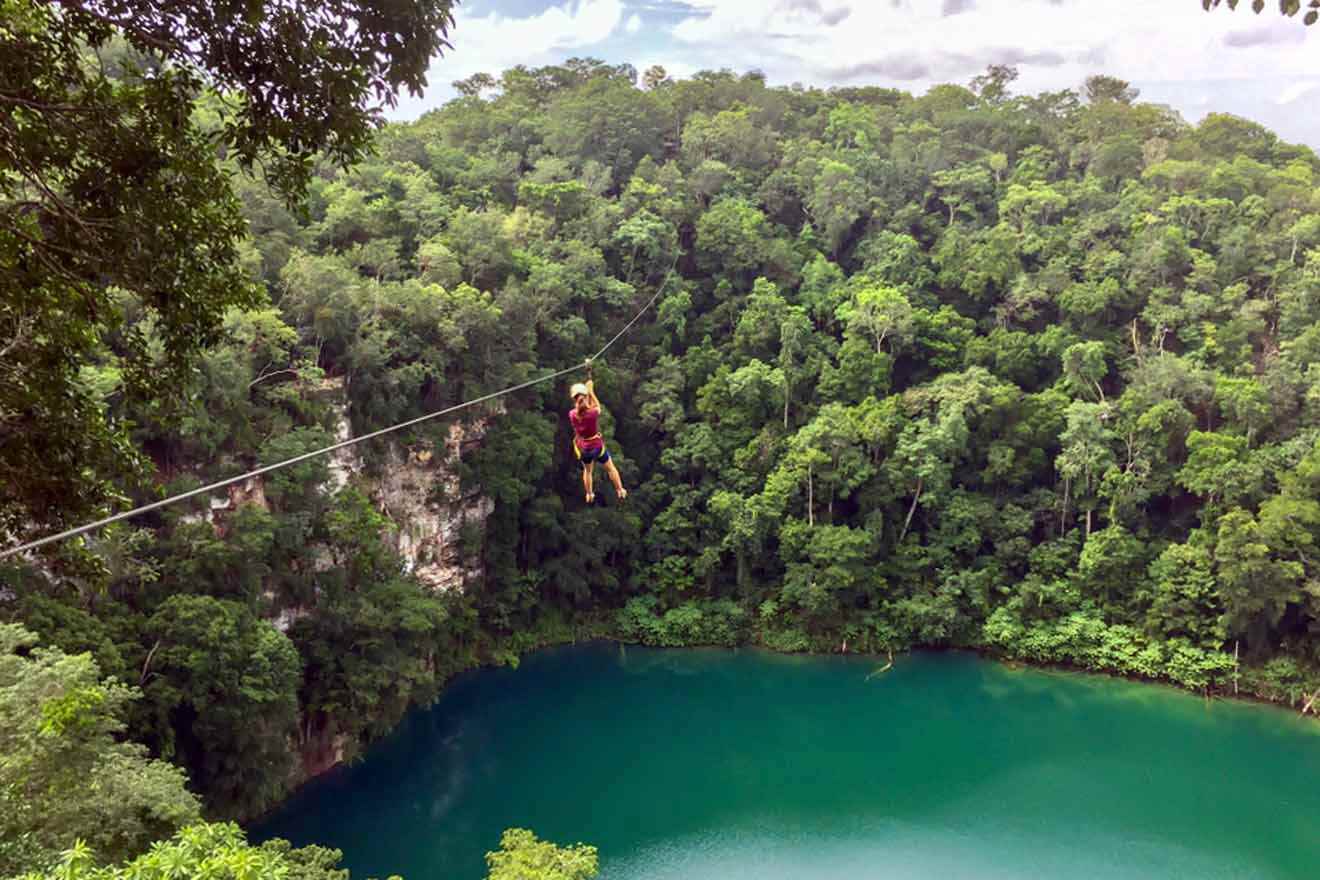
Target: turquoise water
x=716, y=765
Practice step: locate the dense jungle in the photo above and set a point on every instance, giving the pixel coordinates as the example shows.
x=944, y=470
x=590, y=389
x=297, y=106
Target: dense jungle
x=1036, y=375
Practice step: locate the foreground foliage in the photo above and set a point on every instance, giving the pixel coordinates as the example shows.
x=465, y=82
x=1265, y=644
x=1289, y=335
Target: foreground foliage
x=120, y=232
x=64, y=776
x=219, y=851
x=522, y=856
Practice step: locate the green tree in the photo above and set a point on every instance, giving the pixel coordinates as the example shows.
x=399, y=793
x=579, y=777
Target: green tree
x=113, y=201
x=1255, y=585
x=992, y=86
x=837, y=200
x=1218, y=467
x=65, y=775
x=226, y=685
x=1186, y=601
x=1085, y=367
x=1099, y=88
x=522, y=856
x=962, y=189
x=881, y=313
x=1087, y=453
x=733, y=235
x=218, y=850
x=605, y=120
x=794, y=342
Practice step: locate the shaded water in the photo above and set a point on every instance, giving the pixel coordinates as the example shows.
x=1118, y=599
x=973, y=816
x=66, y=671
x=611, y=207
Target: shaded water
x=716, y=765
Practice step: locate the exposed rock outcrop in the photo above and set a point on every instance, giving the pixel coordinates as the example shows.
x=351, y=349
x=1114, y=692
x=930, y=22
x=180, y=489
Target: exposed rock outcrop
x=346, y=462
x=418, y=491
x=320, y=752
x=423, y=496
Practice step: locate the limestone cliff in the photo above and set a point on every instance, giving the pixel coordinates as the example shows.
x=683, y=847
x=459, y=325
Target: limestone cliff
x=421, y=494
x=418, y=491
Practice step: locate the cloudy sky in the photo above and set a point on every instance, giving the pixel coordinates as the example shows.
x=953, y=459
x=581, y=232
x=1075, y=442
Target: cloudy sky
x=1264, y=67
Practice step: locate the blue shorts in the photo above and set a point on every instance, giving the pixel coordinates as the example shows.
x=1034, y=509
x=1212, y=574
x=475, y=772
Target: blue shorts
x=587, y=456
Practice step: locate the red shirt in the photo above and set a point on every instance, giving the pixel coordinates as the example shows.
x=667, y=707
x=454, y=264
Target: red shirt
x=586, y=428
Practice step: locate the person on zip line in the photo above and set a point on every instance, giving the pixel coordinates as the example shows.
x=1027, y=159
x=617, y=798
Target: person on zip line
x=588, y=444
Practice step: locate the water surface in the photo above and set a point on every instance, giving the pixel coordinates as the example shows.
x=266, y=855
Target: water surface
x=715, y=765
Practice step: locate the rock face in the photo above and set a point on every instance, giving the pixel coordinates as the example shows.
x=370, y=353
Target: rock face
x=343, y=463
x=421, y=494
x=250, y=491
x=321, y=753
x=418, y=491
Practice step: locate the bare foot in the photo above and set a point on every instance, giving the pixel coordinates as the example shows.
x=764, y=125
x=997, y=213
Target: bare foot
x=591, y=498
x=623, y=493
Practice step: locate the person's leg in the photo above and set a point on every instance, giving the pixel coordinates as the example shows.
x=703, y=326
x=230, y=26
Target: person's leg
x=615, y=478
x=587, y=480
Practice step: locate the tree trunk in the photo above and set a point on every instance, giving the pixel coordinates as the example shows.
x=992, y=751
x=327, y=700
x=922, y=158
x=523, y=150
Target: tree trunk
x=787, y=388
x=829, y=506
x=1235, y=666
x=811, y=511
x=911, y=510
x=1063, y=518
x=1088, y=522
x=142, y=679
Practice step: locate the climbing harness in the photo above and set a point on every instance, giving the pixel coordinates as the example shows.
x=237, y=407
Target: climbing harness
x=100, y=523
x=577, y=450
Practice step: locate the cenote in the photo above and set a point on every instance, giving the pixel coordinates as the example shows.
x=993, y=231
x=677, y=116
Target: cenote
x=712, y=764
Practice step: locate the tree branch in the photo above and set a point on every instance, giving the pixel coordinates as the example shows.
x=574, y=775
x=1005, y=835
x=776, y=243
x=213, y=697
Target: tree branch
x=265, y=376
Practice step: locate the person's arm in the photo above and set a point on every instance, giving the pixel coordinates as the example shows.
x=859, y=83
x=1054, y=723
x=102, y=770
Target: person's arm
x=592, y=400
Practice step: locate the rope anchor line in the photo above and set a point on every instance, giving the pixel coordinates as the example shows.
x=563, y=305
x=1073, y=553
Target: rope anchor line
x=203, y=490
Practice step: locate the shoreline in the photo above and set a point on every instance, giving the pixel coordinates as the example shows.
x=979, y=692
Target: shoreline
x=594, y=635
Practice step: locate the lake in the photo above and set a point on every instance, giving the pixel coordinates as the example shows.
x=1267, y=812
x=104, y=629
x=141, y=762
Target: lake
x=721, y=765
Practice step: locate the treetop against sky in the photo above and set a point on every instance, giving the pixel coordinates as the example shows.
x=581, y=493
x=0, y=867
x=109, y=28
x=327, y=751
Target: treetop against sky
x=1263, y=67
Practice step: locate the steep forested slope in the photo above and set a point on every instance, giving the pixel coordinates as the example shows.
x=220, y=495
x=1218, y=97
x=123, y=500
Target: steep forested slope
x=1035, y=374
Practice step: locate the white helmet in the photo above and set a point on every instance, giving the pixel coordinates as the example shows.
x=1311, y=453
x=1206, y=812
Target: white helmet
x=576, y=390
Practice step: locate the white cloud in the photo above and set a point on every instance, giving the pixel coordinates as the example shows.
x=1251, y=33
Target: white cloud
x=634, y=23
x=570, y=24
x=493, y=43
x=1055, y=44
x=1297, y=91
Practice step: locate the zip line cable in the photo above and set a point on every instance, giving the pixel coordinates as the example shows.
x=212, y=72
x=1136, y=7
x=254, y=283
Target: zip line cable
x=32, y=545
x=69, y=533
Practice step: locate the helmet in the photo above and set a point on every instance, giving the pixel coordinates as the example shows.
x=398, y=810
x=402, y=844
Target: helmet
x=577, y=390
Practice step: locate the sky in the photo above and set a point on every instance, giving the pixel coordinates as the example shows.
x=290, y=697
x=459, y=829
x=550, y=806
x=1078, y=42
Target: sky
x=1263, y=67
